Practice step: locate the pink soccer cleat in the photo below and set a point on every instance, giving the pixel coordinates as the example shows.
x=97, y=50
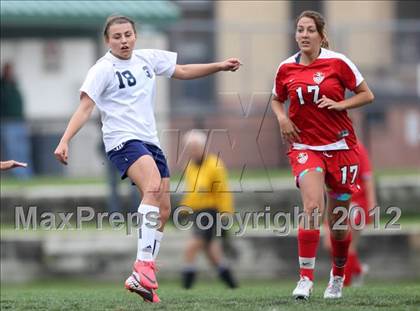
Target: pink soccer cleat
x=133, y=285
x=146, y=272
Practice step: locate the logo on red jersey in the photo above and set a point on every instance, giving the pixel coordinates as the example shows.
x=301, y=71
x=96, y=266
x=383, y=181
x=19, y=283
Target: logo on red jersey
x=343, y=133
x=302, y=157
x=318, y=77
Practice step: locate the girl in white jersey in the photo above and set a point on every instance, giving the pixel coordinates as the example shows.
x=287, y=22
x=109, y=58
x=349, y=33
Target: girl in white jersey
x=122, y=84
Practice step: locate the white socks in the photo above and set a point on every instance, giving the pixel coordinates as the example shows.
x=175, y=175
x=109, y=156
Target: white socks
x=158, y=238
x=148, y=235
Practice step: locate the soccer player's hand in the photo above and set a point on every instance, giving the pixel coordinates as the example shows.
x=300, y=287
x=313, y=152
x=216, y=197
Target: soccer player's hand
x=328, y=103
x=289, y=131
x=7, y=165
x=231, y=64
x=62, y=152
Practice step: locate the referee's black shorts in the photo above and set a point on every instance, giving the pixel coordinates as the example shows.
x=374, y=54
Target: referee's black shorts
x=204, y=224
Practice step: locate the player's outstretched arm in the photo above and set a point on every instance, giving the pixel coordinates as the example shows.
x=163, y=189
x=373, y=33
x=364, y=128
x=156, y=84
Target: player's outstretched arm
x=7, y=165
x=194, y=71
x=79, y=118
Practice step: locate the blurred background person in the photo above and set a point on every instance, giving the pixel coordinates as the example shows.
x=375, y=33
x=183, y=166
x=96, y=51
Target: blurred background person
x=207, y=194
x=15, y=141
x=362, y=202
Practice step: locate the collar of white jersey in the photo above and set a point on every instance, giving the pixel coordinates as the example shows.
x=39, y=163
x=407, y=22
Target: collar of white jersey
x=115, y=59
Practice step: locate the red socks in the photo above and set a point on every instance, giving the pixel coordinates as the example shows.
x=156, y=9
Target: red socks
x=356, y=267
x=348, y=269
x=340, y=250
x=352, y=267
x=308, y=241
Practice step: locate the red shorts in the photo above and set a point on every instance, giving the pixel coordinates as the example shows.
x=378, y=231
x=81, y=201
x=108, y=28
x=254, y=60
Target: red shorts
x=340, y=167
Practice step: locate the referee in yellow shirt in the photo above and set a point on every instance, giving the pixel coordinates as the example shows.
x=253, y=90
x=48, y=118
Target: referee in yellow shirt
x=207, y=194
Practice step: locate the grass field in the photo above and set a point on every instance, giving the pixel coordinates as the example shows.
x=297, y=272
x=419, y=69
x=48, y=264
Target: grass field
x=260, y=295
x=234, y=175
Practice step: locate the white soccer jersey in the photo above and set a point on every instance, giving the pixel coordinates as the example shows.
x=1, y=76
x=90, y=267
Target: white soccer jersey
x=124, y=92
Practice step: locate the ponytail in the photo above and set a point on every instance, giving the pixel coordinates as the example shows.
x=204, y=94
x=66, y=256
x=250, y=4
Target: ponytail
x=325, y=42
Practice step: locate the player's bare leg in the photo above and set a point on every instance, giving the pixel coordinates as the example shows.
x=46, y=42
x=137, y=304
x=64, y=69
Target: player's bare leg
x=312, y=192
x=145, y=174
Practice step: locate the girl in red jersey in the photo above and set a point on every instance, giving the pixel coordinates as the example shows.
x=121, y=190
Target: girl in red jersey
x=323, y=146
x=362, y=203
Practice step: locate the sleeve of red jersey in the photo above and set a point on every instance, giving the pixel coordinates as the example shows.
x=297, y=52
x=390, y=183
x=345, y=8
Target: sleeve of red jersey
x=279, y=89
x=349, y=74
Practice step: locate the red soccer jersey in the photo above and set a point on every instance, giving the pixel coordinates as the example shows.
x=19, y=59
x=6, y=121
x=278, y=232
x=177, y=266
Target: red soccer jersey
x=330, y=75
x=365, y=172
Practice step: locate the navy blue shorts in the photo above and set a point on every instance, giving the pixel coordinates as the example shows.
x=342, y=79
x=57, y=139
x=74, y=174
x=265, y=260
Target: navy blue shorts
x=125, y=154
